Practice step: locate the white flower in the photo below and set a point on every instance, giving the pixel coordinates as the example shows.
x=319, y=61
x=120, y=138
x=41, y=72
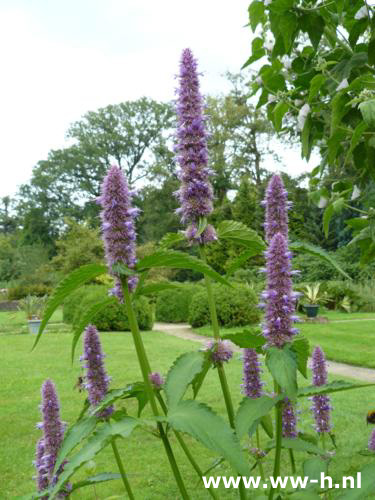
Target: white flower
x=267, y=2
x=298, y=102
x=361, y=13
x=322, y=202
x=343, y=84
x=258, y=80
x=269, y=42
x=271, y=98
x=302, y=115
x=356, y=193
x=287, y=62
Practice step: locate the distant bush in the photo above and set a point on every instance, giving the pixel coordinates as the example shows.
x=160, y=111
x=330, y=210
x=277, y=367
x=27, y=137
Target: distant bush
x=366, y=292
x=236, y=306
x=73, y=301
x=172, y=306
x=114, y=316
x=21, y=291
x=337, y=290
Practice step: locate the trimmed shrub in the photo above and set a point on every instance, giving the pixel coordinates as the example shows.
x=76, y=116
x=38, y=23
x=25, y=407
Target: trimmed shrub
x=21, y=291
x=235, y=306
x=114, y=317
x=172, y=306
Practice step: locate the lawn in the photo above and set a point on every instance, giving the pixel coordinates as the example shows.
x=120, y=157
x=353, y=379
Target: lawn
x=346, y=342
x=24, y=371
x=15, y=322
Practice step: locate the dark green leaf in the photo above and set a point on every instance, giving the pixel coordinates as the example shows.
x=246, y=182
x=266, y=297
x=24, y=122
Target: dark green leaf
x=199, y=377
x=73, y=281
x=288, y=24
x=121, y=270
x=367, y=485
x=202, y=423
x=305, y=139
x=247, y=339
x=240, y=260
x=171, y=239
x=179, y=260
x=356, y=137
x=327, y=216
x=257, y=51
x=282, y=364
x=371, y=51
x=281, y=6
x=256, y=13
x=266, y=423
x=251, y=410
x=312, y=24
x=367, y=109
x=300, y=346
x=100, y=478
x=240, y=234
x=335, y=386
x=315, y=85
x=297, y=445
x=181, y=374
x=278, y=112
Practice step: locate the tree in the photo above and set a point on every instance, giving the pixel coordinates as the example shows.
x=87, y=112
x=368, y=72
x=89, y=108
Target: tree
x=8, y=222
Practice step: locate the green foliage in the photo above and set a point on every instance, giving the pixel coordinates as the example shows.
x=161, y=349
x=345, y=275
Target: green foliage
x=335, y=386
x=282, y=363
x=236, y=306
x=21, y=291
x=336, y=292
x=114, y=316
x=251, y=410
x=172, y=306
x=73, y=301
x=247, y=339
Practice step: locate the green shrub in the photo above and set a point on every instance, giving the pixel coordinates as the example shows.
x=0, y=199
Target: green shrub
x=235, y=306
x=21, y=291
x=73, y=301
x=114, y=317
x=337, y=290
x=172, y=306
x=366, y=292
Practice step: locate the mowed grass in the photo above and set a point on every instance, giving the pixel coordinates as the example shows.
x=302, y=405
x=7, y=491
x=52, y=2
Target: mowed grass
x=23, y=373
x=15, y=322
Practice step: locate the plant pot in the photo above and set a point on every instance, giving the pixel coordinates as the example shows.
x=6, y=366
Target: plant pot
x=34, y=325
x=311, y=310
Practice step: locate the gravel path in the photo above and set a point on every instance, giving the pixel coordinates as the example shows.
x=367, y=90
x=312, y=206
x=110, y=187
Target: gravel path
x=184, y=331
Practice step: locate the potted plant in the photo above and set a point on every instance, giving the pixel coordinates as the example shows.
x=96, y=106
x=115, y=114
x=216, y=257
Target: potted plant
x=33, y=308
x=313, y=298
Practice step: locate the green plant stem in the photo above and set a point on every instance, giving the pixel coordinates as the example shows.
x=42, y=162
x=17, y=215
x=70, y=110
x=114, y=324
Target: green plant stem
x=220, y=367
x=279, y=431
x=261, y=471
x=146, y=370
x=121, y=469
x=292, y=461
x=323, y=441
x=185, y=448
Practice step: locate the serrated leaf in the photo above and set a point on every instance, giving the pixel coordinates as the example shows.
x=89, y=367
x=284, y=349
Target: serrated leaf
x=266, y=423
x=327, y=216
x=134, y=390
x=288, y=24
x=204, y=425
x=256, y=13
x=335, y=386
x=100, y=478
x=73, y=281
x=300, y=346
x=179, y=260
x=246, y=340
x=304, y=247
x=367, y=109
x=282, y=363
x=257, y=51
x=241, y=234
x=122, y=270
x=199, y=377
x=181, y=374
x=356, y=138
x=251, y=410
x=367, y=485
x=239, y=261
x=171, y=239
x=152, y=288
x=297, y=445
x=87, y=317
x=315, y=85
x=97, y=442
x=278, y=113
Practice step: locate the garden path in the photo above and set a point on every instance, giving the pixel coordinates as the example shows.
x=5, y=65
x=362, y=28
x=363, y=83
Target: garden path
x=184, y=331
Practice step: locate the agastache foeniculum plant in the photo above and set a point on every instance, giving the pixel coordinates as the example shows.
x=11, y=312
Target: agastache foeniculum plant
x=172, y=401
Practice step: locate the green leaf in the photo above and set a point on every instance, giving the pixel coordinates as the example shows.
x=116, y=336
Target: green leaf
x=315, y=85
x=251, y=410
x=179, y=260
x=305, y=139
x=181, y=374
x=313, y=24
x=153, y=288
x=134, y=390
x=367, y=109
x=122, y=270
x=100, y=478
x=313, y=467
x=97, y=442
x=297, y=445
x=256, y=14
x=335, y=386
x=281, y=6
x=371, y=51
x=327, y=216
x=199, y=377
x=247, y=339
x=266, y=423
x=356, y=138
x=282, y=364
x=171, y=239
x=304, y=247
x=257, y=51
x=73, y=281
x=278, y=112
x=201, y=226
x=87, y=317
x=240, y=260
x=203, y=424
x=367, y=485
x=300, y=346
x=288, y=25
x=242, y=235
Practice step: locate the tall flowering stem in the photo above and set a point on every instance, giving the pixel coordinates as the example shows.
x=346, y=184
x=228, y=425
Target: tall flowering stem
x=195, y=193
x=321, y=406
x=277, y=206
x=289, y=426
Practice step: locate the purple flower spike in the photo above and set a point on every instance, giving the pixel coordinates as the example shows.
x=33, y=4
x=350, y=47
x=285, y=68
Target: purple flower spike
x=371, y=442
x=289, y=420
x=321, y=402
x=278, y=328
x=157, y=380
x=252, y=385
x=195, y=193
x=42, y=474
x=276, y=202
x=221, y=351
x=118, y=226
x=97, y=381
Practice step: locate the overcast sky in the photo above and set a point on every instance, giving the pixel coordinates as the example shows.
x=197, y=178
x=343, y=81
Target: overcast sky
x=62, y=58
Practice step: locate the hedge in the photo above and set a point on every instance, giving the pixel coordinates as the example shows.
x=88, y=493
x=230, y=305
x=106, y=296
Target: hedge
x=172, y=306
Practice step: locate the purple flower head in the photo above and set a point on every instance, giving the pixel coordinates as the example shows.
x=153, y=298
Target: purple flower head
x=221, y=351
x=321, y=406
x=289, y=420
x=118, y=226
x=42, y=474
x=276, y=202
x=196, y=193
x=371, y=442
x=278, y=327
x=252, y=385
x=97, y=381
x=157, y=380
